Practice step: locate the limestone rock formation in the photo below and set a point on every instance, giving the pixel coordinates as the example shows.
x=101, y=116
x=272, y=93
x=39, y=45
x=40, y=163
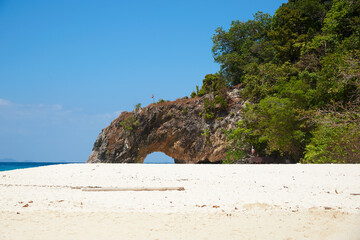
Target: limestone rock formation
x=176, y=128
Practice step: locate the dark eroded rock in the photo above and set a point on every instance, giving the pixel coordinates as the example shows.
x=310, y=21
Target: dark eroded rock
x=176, y=128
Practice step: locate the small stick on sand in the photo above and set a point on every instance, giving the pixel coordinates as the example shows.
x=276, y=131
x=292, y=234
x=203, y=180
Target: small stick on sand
x=101, y=189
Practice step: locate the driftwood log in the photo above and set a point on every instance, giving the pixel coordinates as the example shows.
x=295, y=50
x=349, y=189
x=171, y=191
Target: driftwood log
x=105, y=189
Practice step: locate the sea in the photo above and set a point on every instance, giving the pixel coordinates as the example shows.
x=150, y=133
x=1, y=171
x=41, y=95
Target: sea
x=7, y=166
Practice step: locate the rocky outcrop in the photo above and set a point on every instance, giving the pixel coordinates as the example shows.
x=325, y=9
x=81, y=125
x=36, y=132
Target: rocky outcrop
x=176, y=128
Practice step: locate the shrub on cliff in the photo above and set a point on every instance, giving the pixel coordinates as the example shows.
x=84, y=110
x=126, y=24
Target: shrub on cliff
x=335, y=140
x=129, y=124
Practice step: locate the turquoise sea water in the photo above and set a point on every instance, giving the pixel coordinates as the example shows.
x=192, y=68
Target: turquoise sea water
x=6, y=166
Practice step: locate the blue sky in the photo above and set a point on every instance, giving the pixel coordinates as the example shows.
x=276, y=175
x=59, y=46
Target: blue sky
x=68, y=68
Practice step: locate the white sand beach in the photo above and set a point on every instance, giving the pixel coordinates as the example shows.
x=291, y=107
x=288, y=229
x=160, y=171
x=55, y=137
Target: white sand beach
x=218, y=202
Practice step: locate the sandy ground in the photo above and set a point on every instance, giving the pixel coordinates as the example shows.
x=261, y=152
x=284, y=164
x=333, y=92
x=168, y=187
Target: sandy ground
x=219, y=202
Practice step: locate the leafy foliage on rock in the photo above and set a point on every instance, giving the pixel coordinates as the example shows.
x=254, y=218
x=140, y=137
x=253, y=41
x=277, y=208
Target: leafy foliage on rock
x=303, y=60
x=129, y=124
x=214, y=92
x=335, y=140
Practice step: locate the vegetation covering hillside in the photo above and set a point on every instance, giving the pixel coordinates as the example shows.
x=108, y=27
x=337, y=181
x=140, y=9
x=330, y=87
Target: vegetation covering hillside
x=300, y=73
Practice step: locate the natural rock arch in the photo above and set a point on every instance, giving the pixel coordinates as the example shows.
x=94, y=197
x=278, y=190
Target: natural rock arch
x=176, y=128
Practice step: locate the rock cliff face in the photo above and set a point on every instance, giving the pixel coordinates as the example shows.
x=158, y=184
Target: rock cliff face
x=176, y=128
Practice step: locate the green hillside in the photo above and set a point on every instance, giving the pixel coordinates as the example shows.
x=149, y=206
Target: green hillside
x=300, y=75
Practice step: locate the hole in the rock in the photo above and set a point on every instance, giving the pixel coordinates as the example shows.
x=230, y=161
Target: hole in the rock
x=158, y=158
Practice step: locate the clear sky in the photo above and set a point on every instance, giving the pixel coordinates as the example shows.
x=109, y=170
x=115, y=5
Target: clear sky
x=69, y=67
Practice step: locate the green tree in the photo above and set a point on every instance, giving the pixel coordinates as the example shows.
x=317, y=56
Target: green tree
x=243, y=43
x=212, y=83
x=278, y=125
x=303, y=60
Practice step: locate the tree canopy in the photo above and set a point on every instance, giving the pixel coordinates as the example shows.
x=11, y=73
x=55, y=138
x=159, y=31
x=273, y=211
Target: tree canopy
x=300, y=72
